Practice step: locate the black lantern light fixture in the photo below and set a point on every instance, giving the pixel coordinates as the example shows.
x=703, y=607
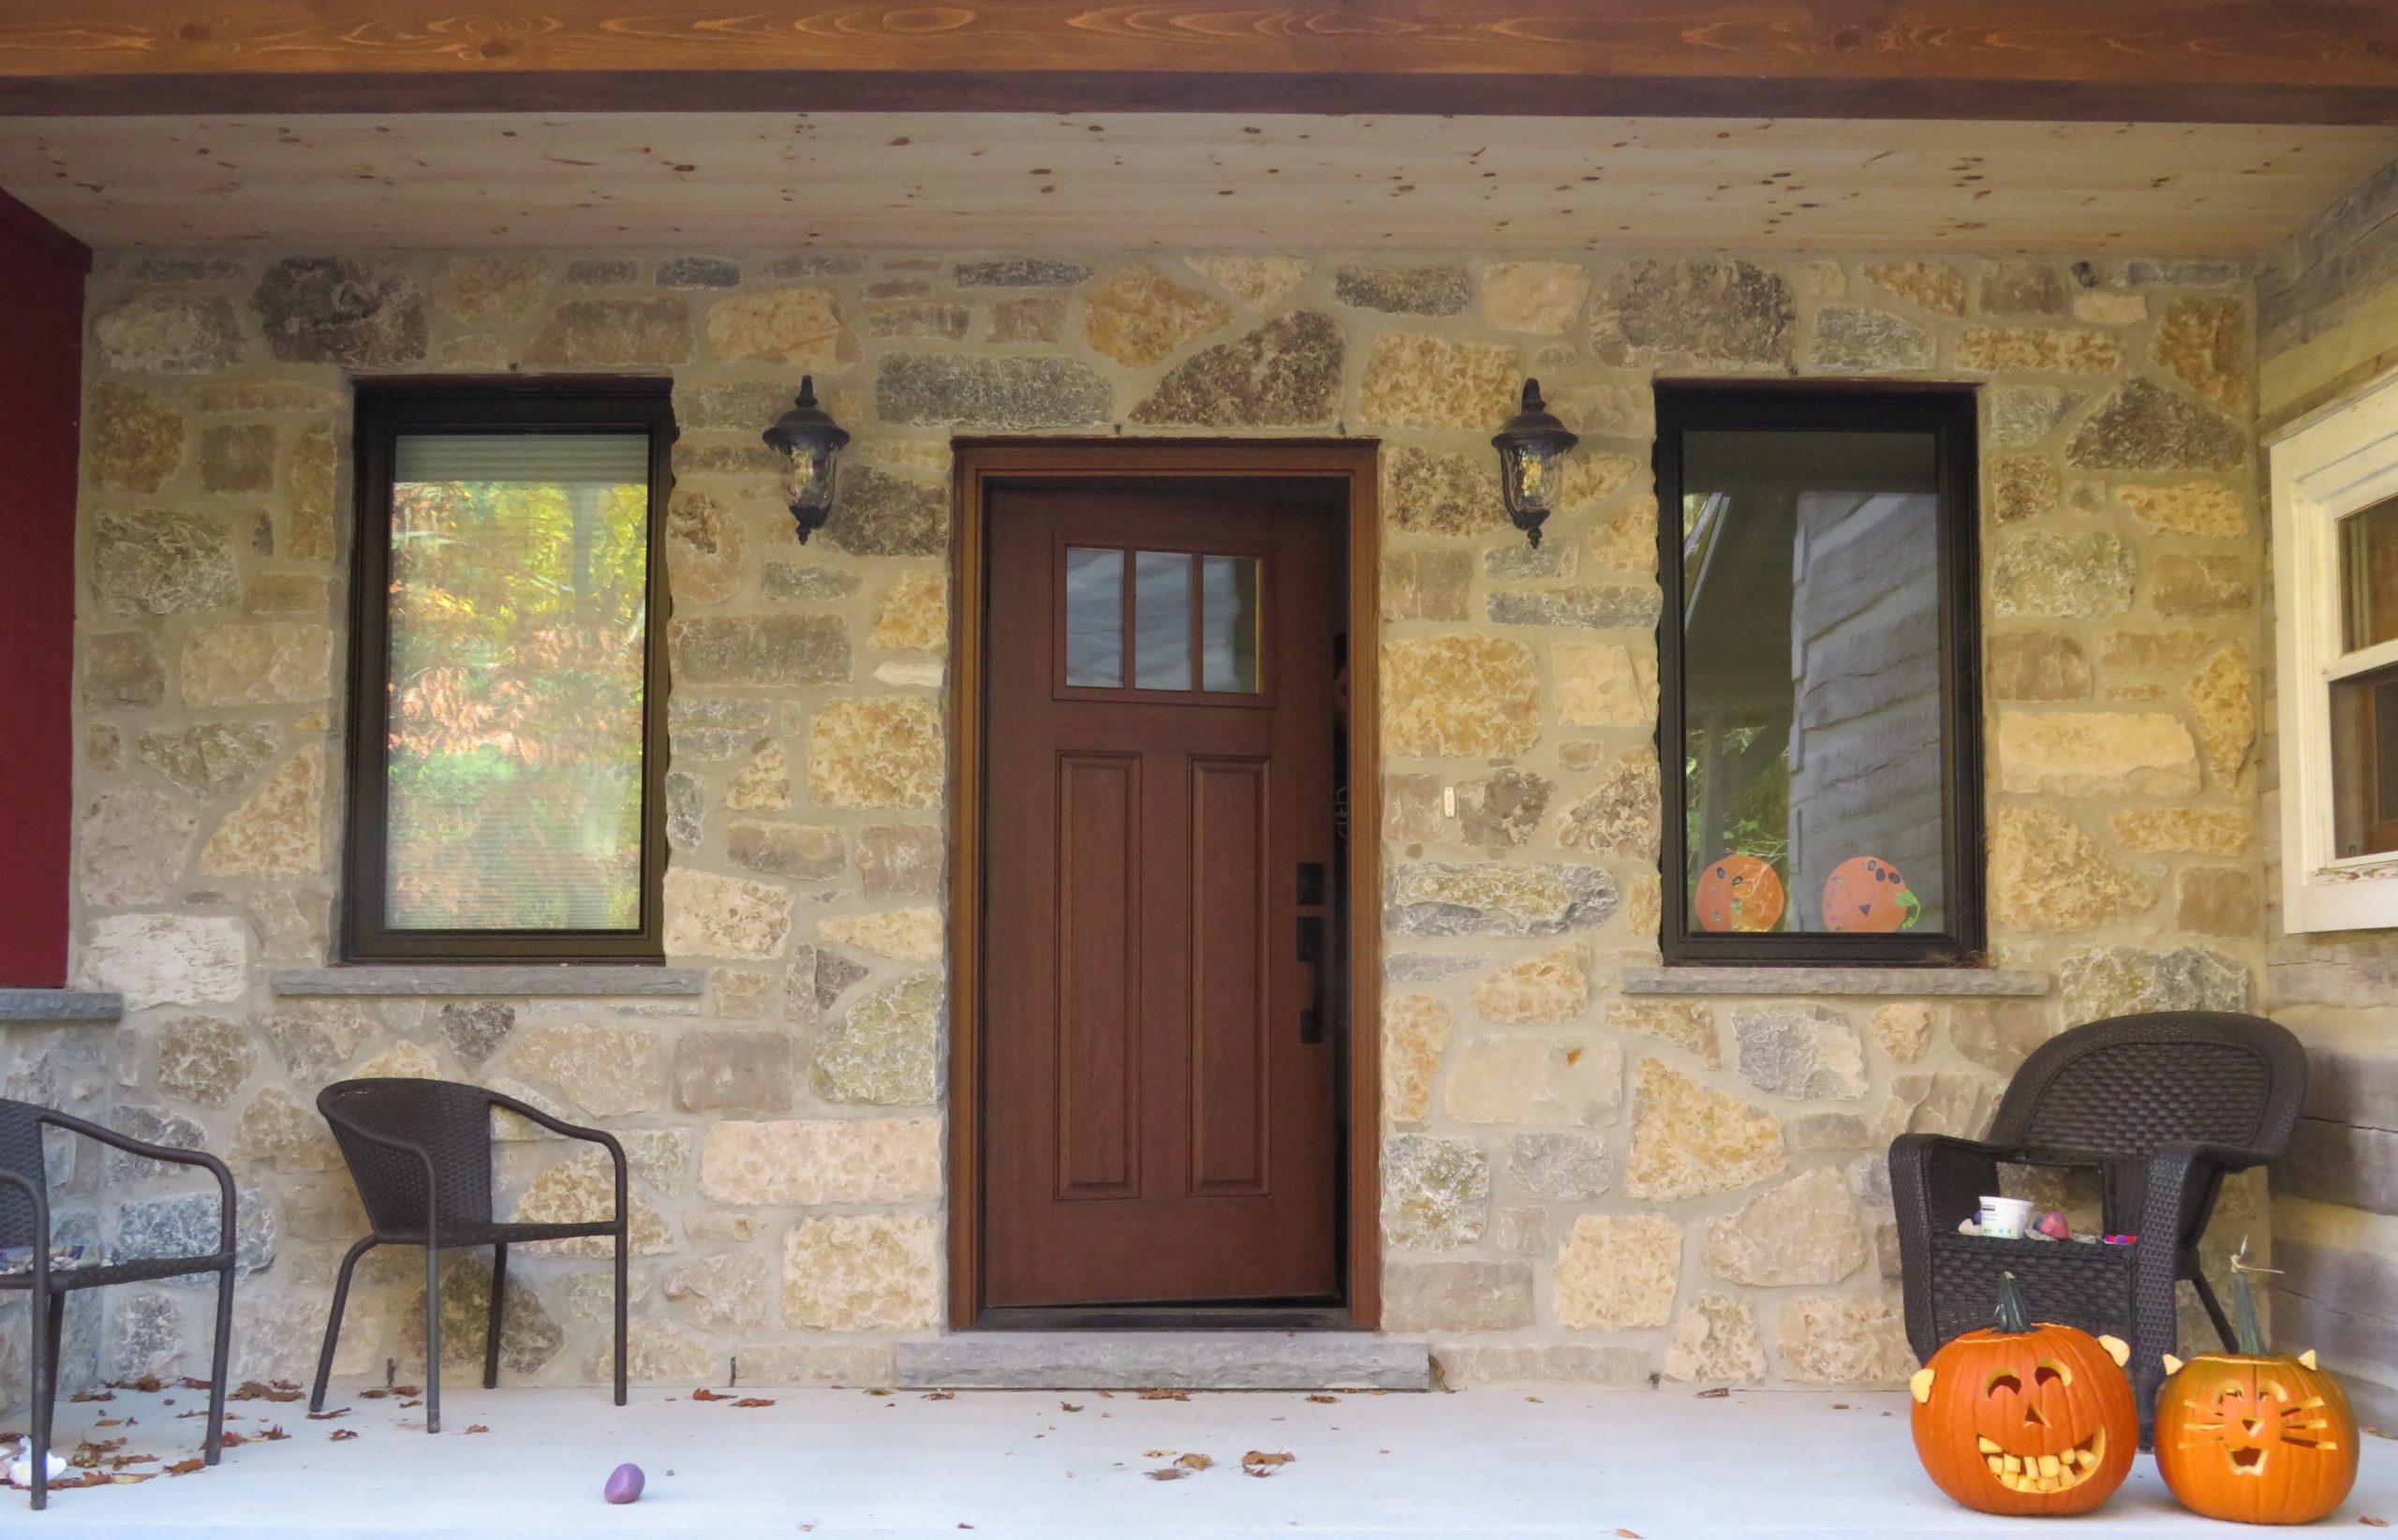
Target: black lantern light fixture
x=810, y=443
x=1532, y=448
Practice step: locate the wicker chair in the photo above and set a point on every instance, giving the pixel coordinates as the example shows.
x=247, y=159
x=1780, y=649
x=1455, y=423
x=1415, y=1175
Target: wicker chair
x=419, y=1151
x=24, y=1222
x=2161, y=1106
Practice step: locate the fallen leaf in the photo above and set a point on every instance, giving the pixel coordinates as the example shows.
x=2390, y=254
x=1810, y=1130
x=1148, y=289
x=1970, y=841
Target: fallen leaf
x=341, y=1433
x=705, y=1394
x=754, y=1400
x=1258, y=1462
x=93, y=1395
x=1719, y=1393
x=1326, y=1400
x=374, y=1395
x=883, y=1391
x=1165, y=1395
x=1628, y=1534
x=1840, y=1406
x=328, y=1416
x=2375, y=1523
x=1157, y=1454
x=942, y=1395
x=109, y=1422
x=1194, y=1462
x=1068, y=1406
x=253, y=1391
x=197, y=1385
x=1534, y=1399
x=1168, y=1473
x=406, y=1390
x=477, y=1427
x=186, y=1467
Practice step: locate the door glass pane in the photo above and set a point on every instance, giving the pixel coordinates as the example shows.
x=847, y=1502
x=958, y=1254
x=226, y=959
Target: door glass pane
x=1162, y=620
x=2364, y=762
x=2369, y=574
x=1094, y=616
x=1228, y=623
x=1812, y=681
x=519, y=622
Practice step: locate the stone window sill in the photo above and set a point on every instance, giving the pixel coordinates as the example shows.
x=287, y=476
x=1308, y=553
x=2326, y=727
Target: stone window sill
x=1908, y=983
x=404, y=979
x=60, y=1005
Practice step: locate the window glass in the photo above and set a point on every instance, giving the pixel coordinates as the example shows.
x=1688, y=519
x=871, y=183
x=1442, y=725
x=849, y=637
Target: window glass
x=1162, y=620
x=1228, y=623
x=1812, y=682
x=2364, y=764
x=1094, y=616
x=2369, y=575
x=518, y=638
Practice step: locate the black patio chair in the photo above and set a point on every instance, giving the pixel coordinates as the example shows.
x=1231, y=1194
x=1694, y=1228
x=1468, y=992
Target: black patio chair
x=419, y=1151
x=24, y=1222
x=2162, y=1106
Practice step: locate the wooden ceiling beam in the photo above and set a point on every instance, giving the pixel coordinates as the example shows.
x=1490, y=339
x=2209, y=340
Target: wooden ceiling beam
x=2191, y=61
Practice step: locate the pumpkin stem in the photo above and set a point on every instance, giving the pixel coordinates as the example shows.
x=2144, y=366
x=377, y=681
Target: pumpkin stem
x=2012, y=1318
x=2244, y=1328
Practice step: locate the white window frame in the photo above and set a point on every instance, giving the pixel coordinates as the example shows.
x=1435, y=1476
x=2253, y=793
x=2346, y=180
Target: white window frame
x=2324, y=469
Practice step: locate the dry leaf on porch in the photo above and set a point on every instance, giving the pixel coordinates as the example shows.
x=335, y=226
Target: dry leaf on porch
x=93, y=1395
x=1068, y=1406
x=1165, y=1395
x=341, y=1433
x=1194, y=1462
x=1628, y=1534
x=754, y=1400
x=478, y=1428
x=705, y=1394
x=1258, y=1462
x=1720, y=1393
x=940, y=1394
x=1326, y=1400
x=186, y=1467
x=328, y=1416
x=1168, y=1473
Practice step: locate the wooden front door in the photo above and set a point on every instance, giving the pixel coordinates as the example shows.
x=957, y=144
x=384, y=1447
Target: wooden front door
x=1158, y=1104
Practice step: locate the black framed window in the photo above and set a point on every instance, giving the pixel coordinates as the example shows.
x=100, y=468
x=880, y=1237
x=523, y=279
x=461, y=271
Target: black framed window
x=1819, y=711
x=508, y=672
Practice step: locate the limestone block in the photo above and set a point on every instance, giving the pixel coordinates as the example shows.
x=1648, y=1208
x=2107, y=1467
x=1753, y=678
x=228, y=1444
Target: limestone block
x=1688, y=1139
x=802, y=1163
x=861, y=1272
x=1616, y=1272
x=1805, y=1230
x=607, y=1070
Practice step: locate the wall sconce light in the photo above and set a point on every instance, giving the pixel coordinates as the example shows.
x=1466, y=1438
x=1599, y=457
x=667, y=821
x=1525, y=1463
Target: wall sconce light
x=810, y=443
x=1532, y=446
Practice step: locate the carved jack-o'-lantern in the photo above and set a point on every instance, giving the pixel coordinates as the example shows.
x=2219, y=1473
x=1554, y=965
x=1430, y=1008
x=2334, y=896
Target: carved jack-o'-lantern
x=2252, y=1437
x=1866, y=892
x=2018, y=1418
x=1738, y=891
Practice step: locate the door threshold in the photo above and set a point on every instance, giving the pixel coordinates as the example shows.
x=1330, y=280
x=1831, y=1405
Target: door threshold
x=1165, y=1360
x=1167, y=1317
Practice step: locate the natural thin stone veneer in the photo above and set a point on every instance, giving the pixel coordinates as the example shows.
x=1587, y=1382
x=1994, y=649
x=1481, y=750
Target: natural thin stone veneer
x=1620, y=1186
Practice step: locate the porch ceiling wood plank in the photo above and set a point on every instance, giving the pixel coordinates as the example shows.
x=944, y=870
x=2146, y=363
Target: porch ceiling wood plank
x=1032, y=181
x=2222, y=61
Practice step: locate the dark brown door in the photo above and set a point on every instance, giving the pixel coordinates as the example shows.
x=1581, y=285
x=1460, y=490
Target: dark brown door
x=1158, y=1104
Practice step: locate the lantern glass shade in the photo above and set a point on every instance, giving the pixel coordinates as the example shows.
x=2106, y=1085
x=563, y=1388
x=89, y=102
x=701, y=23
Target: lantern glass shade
x=810, y=442
x=1532, y=448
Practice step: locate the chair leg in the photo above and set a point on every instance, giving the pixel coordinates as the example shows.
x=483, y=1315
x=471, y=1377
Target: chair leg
x=2214, y=1311
x=499, y=1292
x=623, y=1235
x=432, y=1339
x=333, y=1326
x=41, y=1345
x=214, y=1448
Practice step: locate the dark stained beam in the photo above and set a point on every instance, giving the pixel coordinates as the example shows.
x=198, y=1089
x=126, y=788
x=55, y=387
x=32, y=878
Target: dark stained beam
x=2198, y=61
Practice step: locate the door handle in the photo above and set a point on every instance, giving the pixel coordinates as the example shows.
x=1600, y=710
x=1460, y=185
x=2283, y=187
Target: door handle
x=1311, y=952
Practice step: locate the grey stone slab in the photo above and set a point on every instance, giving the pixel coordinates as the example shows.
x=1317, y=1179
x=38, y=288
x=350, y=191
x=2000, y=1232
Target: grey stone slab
x=60, y=1005
x=1905, y=983
x=1179, y=1360
x=493, y=981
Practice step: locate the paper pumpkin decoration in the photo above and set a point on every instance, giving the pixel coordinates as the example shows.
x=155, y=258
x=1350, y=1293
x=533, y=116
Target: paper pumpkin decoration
x=1866, y=892
x=1738, y=891
x=2025, y=1419
x=2251, y=1436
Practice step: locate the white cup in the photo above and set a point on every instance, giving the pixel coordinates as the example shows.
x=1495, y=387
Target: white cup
x=2006, y=1218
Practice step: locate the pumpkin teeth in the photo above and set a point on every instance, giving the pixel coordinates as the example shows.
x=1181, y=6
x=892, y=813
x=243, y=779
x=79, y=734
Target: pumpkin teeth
x=2046, y=1474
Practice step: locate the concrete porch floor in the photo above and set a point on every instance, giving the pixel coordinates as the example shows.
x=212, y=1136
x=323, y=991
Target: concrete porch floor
x=1664, y=1466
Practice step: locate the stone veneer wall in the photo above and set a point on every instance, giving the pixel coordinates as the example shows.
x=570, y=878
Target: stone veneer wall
x=1582, y=1185
x=2327, y=314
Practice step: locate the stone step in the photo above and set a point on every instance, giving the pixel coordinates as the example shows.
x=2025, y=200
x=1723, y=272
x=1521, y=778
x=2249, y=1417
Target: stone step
x=1176, y=1360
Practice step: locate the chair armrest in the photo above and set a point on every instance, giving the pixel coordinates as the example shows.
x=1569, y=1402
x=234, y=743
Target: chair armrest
x=573, y=1131
x=167, y=1153
x=2177, y=1172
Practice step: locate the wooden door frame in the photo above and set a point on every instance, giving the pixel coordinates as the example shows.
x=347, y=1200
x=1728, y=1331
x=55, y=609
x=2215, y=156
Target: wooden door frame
x=979, y=465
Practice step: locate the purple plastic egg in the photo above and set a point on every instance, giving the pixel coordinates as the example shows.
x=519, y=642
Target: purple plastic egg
x=624, y=1484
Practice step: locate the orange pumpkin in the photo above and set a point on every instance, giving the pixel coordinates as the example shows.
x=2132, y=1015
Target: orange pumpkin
x=2251, y=1436
x=1738, y=891
x=1866, y=892
x=2025, y=1419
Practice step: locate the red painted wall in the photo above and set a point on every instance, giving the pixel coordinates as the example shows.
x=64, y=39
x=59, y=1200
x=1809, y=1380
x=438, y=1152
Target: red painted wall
x=41, y=394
